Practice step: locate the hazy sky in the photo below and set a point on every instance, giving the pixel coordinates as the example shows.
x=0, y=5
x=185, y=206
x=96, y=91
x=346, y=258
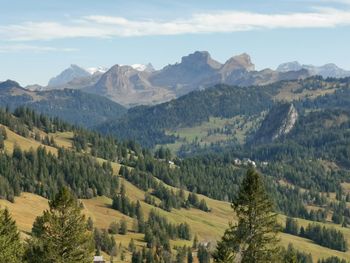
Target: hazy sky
x=40, y=38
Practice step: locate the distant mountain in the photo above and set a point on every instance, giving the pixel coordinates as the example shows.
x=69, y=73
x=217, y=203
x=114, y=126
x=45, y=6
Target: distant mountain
x=140, y=84
x=79, y=83
x=76, y=77
x=8, y=84
x=240, y=62
x=34, y=87
x=289, y=66
x=93, y=70
x=196, y=71
x=327, y=70
x=74, y=106
x=141, y=67
x=67, y=75
x=129, y=86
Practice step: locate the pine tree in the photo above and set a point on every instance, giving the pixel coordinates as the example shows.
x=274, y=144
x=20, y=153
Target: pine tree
x=292, y=226
x=132, y=246
x=10, y=245
x=254, y=238
x=203, y=254
x=60, y=234
x=113, y=228
x=189, y=256
x=290, y=255
x=195, y=242
x=123, y=229
x=90, y=224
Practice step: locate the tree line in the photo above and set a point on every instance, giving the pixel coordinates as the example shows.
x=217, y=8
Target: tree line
x=43, y=173
x=327, y=237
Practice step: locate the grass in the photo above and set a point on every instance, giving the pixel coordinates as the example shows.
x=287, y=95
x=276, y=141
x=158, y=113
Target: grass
x=24, y=143
x=205, y=133
x=208, y=226
x=287, y=93
x=63, y=139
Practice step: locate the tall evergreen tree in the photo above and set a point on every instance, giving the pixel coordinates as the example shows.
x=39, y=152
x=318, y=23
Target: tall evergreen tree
x=60, y=235
x=254, y=238
x=10, y=245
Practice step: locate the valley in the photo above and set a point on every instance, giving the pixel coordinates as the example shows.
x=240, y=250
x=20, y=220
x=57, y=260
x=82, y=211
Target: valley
x=207, y=226
x=175, y=131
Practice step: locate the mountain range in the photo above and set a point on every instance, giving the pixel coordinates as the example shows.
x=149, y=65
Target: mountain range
x=143, y=85
x=326, y=71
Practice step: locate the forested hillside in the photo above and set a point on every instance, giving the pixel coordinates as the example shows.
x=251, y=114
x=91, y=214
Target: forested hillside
x=73, y=106
x=148, y=124
x=224, y=114
x=139, y=200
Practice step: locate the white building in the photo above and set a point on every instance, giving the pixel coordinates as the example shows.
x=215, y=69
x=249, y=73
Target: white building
x=98, y=259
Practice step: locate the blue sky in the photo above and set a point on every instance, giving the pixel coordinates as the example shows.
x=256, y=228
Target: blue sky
x=39, y=38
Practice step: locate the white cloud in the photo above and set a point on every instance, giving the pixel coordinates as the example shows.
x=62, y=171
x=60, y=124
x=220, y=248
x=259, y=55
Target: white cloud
x=219, y=22
x=31, y=48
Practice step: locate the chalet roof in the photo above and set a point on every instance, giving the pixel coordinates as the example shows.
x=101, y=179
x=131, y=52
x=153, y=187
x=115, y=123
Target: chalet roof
x=98, y=259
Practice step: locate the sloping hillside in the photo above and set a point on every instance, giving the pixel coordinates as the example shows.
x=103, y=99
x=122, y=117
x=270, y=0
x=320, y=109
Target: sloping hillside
x=208, y=226
x=74, y=106
x=162, y=124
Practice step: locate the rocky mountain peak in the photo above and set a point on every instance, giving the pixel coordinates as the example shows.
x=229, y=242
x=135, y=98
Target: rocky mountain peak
x=9, y=84
x=74, y=71
x=238, y=62
x=289, y=66
x=327, y=70
x=200, y=58
x=242, y=61
x=143, y=67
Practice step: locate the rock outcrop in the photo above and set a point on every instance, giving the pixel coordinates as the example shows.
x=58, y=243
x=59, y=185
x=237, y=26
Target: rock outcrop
x=278, y=123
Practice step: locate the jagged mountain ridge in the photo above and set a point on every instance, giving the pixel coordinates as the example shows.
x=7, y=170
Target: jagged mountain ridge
x=129, y=86
x=327, y=70
x=67, y=75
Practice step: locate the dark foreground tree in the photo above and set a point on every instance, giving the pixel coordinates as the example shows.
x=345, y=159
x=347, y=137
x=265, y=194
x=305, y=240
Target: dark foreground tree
x=10, y=243
x=254, y=238
x=61, y=234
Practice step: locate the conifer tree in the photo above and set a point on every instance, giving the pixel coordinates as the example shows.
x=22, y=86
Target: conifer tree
x=10, y=245
x=123, y=229
x=195, y=242
x=60, y=235
x=254, y=238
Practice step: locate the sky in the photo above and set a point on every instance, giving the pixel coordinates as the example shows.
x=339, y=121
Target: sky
x=40, y=38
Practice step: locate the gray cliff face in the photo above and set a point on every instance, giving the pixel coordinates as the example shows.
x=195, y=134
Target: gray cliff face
x=287, y=123
x=279, y=122
x=68, y=75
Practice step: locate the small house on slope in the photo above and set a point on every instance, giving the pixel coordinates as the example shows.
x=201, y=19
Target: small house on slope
x=98, y=259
